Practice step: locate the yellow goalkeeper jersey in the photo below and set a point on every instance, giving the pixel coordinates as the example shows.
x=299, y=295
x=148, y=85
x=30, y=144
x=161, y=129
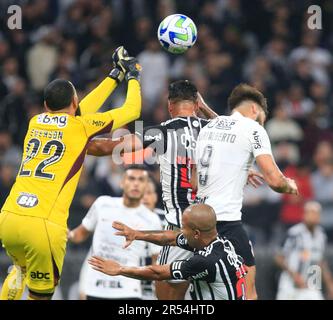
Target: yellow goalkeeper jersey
x=54, y=150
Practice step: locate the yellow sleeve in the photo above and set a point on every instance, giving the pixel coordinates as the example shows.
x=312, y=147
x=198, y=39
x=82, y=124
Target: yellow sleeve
x=95, y=99
x=131, y=109
x=101, y=123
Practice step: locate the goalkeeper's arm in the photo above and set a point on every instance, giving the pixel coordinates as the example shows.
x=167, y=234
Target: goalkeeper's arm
x=95, y=99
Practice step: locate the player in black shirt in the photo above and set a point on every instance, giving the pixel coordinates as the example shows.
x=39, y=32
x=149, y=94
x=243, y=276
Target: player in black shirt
x=215, y=270
x=173, y=143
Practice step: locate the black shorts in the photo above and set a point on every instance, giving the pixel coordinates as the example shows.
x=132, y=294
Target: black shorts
x=234, y=231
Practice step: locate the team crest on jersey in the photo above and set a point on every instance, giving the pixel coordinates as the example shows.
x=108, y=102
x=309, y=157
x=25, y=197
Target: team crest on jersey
x=56, y=120
x=225, y=124
x=27, y=200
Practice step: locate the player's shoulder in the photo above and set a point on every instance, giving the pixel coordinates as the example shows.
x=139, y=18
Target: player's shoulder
x=296, y=230
x=107, y=201
x=150, y=217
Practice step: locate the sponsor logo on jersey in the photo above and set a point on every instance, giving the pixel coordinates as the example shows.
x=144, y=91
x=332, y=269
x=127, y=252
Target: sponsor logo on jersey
x=98, y=123
x=257, y=141
x=108, y=284
x=59, y=121
x=200, y=275
x=157, y=137
x=222, y=124
x=27, y=200
x=188, y=141
x=37, y=275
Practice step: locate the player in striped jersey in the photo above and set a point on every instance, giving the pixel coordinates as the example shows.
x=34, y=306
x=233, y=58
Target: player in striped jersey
x=215, y=270
x=173, y=142
x=302, y=259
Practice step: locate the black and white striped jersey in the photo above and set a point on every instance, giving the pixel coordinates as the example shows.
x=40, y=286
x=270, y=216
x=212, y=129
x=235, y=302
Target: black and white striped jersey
x=303, y=251
x=216, y=272
x=174, y=142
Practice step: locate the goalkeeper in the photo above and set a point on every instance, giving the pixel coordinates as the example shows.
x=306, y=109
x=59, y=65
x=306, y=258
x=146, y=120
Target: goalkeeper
x=33, y=220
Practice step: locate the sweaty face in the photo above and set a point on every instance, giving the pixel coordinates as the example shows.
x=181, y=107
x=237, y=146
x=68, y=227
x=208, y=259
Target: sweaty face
x=135, y=183
x=150, y=196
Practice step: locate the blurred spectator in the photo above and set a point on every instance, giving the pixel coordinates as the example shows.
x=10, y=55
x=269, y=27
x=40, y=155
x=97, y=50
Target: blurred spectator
x=320, y=59
x=109, y=176
x=86, y=194
x=7, y=177
x=323, y=153
x=42, y=57
x=292, y=205
x=13, y=115
x=9, y=153
x=298, y=106
x=282, y=129
x=322, y=182
x=155, y=73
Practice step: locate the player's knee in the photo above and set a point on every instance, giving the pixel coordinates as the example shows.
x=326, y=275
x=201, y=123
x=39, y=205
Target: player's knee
x=33, y=295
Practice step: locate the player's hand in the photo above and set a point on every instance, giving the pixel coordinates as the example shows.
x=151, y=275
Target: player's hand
x=293, y=186
x=109, y=267
x=125, y=231
x=201, y=102
x=70, y=235
x=298, y=280
x=117, y=74
x=254, y=178
x=128, y=65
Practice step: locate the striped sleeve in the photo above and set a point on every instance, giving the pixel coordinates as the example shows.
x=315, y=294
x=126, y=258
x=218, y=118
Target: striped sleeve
x=195, y=268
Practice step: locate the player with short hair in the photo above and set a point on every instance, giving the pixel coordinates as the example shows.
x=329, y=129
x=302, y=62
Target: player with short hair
x=34, y=217
x=173, y=142
x=302, y=259
x=226, y=149
x=215, y=270
x=130, y=210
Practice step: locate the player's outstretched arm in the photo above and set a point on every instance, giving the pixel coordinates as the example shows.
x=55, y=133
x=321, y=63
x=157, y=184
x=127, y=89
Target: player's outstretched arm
x=159, y=237
x=274, y=177
x=113, y=268
x=78, y=235
x=105, y=146
x=95, y=99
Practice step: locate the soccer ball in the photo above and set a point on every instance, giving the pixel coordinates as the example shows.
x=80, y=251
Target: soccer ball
x=177, y=33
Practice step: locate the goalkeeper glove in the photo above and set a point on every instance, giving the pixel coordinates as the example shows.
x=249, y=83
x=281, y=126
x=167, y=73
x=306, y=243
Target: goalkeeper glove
x=128, y=65
x=117, y=74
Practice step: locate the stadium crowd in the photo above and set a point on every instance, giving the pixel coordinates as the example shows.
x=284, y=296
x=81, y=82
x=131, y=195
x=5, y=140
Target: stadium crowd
x=266, y=43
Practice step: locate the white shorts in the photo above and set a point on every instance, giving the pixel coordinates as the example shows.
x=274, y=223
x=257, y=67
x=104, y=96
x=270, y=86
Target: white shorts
x=169, y=254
